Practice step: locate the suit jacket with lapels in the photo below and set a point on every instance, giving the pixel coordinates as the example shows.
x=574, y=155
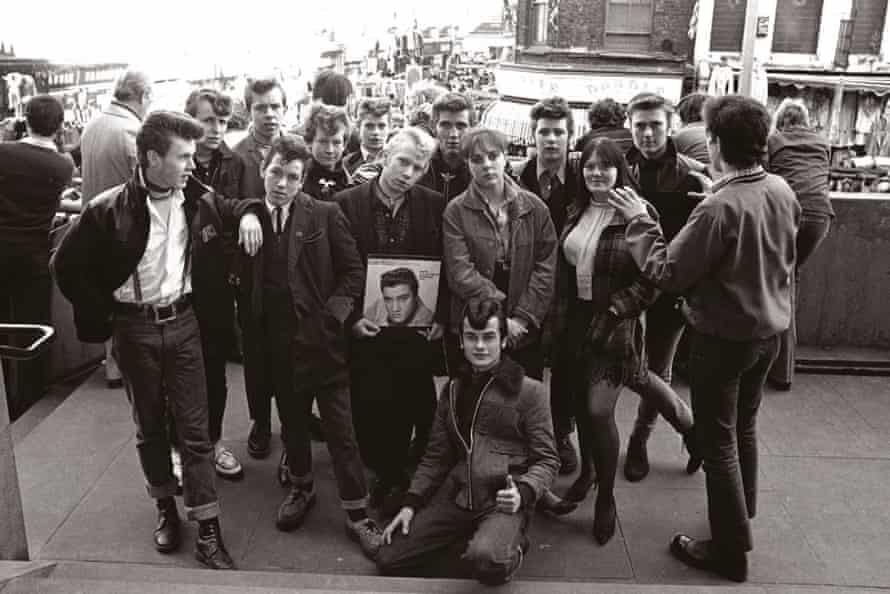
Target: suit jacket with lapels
x=325, y=277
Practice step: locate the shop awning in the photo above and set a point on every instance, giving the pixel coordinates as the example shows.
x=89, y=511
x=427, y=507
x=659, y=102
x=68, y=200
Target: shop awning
x=879, y=85
x=513, y=120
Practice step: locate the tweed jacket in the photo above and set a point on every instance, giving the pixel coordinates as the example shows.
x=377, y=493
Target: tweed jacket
x=108, y=149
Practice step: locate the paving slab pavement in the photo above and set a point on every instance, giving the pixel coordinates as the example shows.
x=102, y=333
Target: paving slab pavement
x=823, y=521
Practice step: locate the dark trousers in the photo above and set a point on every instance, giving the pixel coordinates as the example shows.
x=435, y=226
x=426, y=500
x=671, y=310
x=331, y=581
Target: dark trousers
x=393, y=398
x=25, y=294
x=813, y=230
x=726, y=380
x=447, y=541
x=664, y=328
x=216, y=344
x=163, y=366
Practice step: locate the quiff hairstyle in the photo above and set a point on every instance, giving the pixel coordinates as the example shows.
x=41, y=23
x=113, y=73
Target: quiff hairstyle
x=477, y=312
x=326, y=119
x=291, y=148
x=552, y=108
x=158, y=130
x=375, y=107
x=454, y=103
x=647, y=101
x=416, y=137
x=261, y=86
x=400, y=276
x=221, y=104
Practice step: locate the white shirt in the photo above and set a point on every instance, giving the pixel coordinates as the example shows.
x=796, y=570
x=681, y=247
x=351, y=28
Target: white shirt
x=162, y=275
x=285, y=213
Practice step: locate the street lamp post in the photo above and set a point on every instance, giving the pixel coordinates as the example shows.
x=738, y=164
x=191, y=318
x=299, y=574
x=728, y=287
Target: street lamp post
x=747, y=73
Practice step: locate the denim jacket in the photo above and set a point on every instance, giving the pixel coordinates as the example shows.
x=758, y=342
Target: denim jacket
x=470, y=249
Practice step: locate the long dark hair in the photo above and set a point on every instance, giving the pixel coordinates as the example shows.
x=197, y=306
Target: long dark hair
x=608, y=152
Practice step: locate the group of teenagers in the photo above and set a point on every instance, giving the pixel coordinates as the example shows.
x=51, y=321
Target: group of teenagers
x=592, y=262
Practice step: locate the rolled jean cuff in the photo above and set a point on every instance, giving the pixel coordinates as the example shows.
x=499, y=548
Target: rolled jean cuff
x=300, y=480
x=163, y=491
x=208, y=511
x=354, y=504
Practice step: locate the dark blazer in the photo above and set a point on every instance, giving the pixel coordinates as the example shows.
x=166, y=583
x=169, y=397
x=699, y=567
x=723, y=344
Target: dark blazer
x=425, y=208
x=104, y=246
x=559, y=200
x=325, y=278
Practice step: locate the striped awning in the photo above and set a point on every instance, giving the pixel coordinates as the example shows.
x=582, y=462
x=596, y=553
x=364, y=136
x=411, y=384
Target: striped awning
x=512, y=118
x=879, y=85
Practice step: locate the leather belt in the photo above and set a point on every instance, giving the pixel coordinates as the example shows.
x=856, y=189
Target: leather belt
x=159, y=314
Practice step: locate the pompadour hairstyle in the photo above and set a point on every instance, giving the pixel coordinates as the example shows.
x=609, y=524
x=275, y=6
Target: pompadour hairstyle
x=400, y=276
x=374, y=106
x=291, y=148
x=331, y=88
x=477, y=313
x=606, y=113
x=158, y=130
x=261, y=86
x=454, y=103
x=327, y=119
x=554, y=108
x=221, y=103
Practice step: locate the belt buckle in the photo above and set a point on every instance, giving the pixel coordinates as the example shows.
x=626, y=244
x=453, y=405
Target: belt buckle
x=161, y=316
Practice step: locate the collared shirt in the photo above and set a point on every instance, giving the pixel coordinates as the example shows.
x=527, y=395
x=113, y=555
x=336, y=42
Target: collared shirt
x=41, y=142
x=735, y=175
x=285, y=214
x=499, y=217
x=391, y=222
x=161, y=277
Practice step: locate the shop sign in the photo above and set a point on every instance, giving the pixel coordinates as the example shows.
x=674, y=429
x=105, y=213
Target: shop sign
x=583, y=88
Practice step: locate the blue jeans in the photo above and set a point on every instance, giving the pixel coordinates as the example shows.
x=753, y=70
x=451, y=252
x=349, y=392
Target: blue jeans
x=162, y=366
x=447, y=541
x=726, y=379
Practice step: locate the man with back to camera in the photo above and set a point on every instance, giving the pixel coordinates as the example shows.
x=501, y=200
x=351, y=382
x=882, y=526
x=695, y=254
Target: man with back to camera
x=448, y=172
x=33, y=175
x=108, y=152
x=735, y=257
x=480, y=530
x=400, y=303
x=266, y=101
x=128, y=265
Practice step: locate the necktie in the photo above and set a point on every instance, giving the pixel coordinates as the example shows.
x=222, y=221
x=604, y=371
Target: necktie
x=279, y=221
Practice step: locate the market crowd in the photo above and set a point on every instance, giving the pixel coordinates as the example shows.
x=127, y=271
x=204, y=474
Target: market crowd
x=592, y=261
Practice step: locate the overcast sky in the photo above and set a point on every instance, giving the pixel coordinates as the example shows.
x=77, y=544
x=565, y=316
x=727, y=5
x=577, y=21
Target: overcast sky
x=160, y=33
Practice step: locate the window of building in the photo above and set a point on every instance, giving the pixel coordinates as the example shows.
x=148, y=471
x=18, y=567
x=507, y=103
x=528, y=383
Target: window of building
x=628, y=24
x=868, y=26
x=728, y=25
x=539, y=22
x=797, y=26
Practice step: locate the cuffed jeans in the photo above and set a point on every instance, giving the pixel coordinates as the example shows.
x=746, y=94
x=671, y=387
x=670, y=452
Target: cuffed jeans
x=336, y=421
x=163, y=366
x=664, y=328
x=813, y=230
x=447, y=541
x=726, y=380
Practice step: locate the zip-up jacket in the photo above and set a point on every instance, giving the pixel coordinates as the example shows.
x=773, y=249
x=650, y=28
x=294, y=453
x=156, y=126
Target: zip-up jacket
x=511, y=432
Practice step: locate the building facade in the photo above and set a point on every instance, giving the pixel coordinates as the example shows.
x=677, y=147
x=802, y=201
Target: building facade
x=586, y=50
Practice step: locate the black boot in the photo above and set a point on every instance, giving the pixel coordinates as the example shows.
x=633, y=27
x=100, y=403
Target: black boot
x=209, y=548
x=695, y=458
x=636, y=463
x=167, y=533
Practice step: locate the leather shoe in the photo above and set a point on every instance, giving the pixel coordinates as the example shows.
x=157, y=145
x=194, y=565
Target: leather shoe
x=552, y=504
x=636, y=463
x=582, y=485
x=604, y=519
x=209, y=547
x=294, y=508
x=700, y=554
x=568, y=459
x=259, y=441
x=167, y=533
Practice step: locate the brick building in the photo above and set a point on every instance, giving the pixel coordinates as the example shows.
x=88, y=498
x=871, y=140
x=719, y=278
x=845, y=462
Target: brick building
x=585, y=50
